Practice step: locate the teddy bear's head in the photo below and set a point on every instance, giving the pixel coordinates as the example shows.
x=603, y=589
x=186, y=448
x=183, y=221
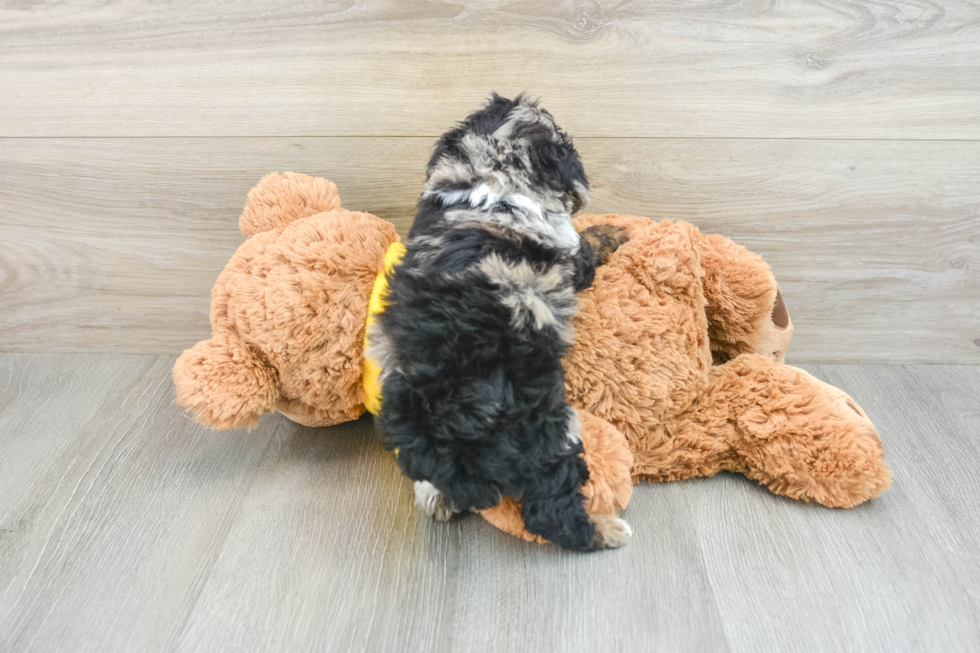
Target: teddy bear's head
x=288, y=311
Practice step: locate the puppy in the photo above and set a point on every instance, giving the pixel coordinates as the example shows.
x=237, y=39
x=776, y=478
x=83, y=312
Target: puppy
x=478, y=320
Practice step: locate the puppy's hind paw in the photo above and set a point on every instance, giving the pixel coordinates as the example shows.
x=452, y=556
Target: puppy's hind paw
x=611, y=532
x=431, y=502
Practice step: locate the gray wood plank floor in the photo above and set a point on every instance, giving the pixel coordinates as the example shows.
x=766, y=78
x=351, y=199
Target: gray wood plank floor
x=124, y=526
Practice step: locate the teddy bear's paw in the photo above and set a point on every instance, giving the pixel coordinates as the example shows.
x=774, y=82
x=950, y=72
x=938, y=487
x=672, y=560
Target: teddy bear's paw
x=849, y=410
x=821, y=447
x=431, y=502
x=611, y=532
x=224, y=383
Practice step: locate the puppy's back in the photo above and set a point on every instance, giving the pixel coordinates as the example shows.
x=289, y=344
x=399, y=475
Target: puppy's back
x=477, y=326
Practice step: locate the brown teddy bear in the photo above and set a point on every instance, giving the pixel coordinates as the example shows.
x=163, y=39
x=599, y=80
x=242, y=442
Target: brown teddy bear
x=677, y=366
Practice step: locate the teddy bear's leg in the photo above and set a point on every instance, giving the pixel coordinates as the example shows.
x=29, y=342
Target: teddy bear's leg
x=695, y=444
x=224, y=384
x=745, y=310
x=793, y=433
x=799, y=436
x=608, y=457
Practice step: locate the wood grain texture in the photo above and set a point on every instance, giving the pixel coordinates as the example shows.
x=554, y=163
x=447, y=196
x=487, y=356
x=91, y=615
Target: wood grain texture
x=112, y=245
x=897, y=574
x=653, y=595
x=801, y=68
x=124, y=526
x=328, y=553
x=113, y=504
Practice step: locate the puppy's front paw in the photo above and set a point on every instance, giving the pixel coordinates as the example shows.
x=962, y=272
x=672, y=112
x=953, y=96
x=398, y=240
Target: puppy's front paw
x=611, y=532
x=431, y=502
x=604, y=239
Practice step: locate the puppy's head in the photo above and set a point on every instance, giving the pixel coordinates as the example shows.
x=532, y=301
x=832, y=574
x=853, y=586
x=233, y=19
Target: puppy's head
x=513, y=146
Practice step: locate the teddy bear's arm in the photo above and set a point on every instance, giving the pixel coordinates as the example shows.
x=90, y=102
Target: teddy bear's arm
x=745, y=309
x=224, y=384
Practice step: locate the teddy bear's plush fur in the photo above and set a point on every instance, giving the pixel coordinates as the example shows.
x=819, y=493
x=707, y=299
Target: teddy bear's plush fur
x=666, y=304
x=289, y=310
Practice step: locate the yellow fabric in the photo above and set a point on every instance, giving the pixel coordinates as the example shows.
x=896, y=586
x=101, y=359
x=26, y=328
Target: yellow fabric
x=372, y=371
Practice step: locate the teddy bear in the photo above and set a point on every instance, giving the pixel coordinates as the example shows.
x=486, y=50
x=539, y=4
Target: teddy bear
x=677, y=367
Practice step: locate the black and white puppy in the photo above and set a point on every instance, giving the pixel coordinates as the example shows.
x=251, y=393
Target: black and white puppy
x=478, y=320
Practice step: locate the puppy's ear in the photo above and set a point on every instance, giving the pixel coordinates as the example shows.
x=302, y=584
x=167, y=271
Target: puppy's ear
x=525, y=100
x=447, y=148
x=580, y=196
x=562, y=163
x=483, y=121
x=498, y=99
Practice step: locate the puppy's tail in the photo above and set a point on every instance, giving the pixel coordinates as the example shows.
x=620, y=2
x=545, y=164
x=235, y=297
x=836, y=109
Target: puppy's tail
x=278, y=200
x=224, y=384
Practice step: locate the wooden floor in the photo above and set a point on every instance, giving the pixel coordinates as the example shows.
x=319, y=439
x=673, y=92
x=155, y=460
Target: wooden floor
x=126, y=527
x=840, y=139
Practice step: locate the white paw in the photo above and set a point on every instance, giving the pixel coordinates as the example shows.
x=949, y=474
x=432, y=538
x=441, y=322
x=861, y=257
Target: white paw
x=430, y=501
x=612, y=532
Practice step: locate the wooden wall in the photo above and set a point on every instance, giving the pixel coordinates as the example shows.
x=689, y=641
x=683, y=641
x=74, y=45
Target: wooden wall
x=840, y=140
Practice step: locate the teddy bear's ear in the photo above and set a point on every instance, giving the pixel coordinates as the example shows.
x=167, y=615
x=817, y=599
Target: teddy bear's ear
x=224, y=384
x=278, y=199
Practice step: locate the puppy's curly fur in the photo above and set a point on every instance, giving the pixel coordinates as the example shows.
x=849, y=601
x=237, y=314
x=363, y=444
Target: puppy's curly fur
x=478, y=321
